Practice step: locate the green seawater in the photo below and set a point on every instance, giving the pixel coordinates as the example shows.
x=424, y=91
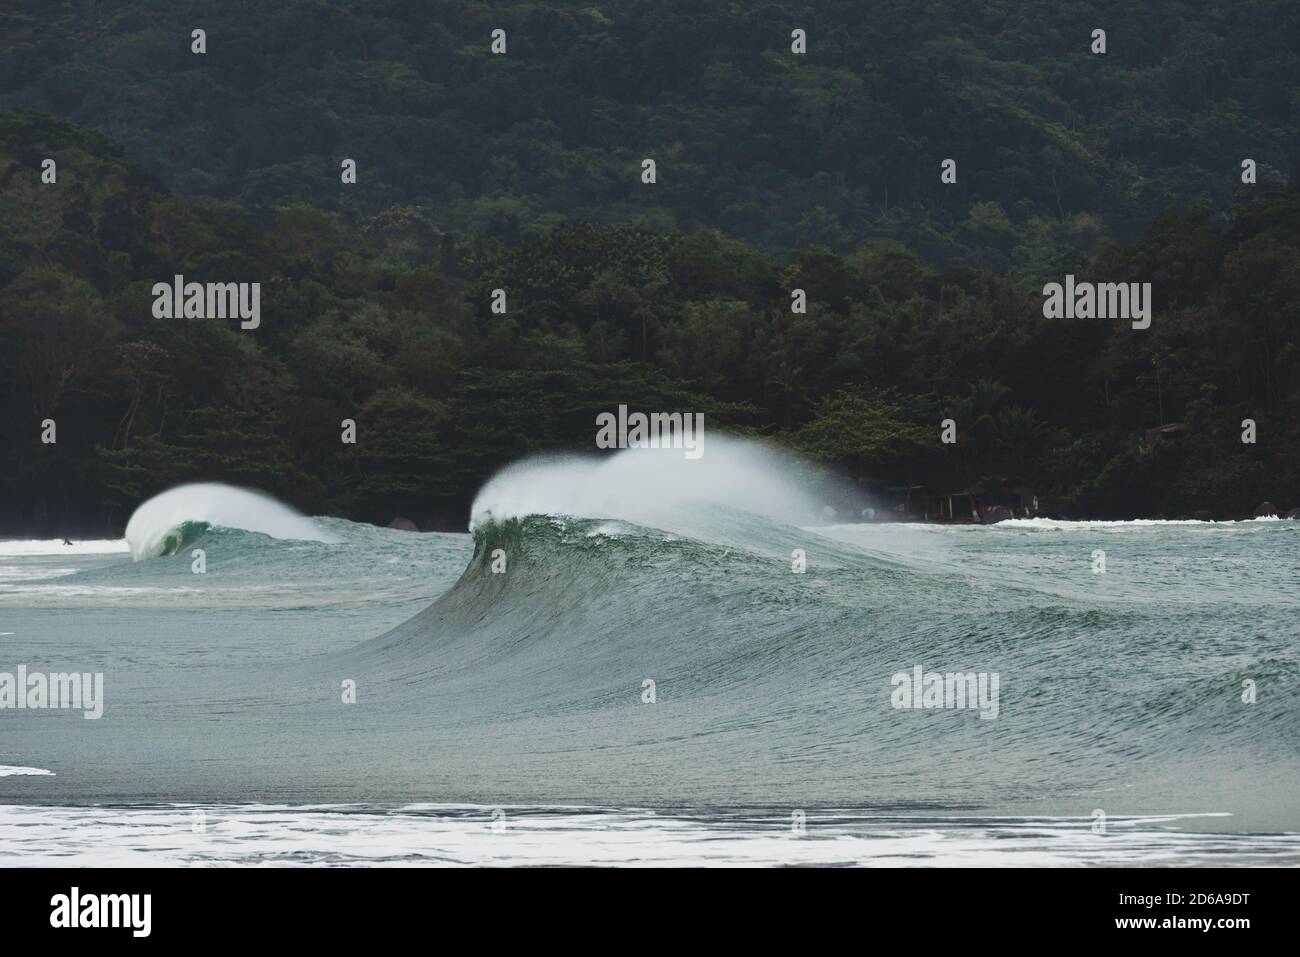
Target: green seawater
x=1123, y=691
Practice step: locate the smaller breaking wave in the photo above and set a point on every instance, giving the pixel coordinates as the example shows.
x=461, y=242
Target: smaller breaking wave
x=175, y=519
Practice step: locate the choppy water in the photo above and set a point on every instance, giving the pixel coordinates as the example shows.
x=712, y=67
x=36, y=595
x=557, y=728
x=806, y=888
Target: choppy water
x=413, y=835
x=1119, y=693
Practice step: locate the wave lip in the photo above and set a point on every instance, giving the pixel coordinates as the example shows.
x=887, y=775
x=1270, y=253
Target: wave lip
x=172, y=520
x=655, y=488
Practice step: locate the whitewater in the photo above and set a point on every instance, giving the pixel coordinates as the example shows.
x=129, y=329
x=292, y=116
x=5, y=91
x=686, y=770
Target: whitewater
x=502, y=714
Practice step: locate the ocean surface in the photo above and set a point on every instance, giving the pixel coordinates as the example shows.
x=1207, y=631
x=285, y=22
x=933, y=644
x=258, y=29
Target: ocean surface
x=647, y=661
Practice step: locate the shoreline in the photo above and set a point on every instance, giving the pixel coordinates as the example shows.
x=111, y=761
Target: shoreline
x=115, y=535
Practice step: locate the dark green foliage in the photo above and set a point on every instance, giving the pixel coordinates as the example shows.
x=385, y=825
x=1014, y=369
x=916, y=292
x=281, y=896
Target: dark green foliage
x=1057, y=149
x=521, y=173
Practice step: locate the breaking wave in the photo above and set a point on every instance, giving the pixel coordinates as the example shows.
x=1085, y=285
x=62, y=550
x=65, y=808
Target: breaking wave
x=173, y=520
x=644, y=630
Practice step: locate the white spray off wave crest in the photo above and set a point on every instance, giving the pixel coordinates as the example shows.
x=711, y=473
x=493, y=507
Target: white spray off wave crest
x=153, y=522
x=651, y=486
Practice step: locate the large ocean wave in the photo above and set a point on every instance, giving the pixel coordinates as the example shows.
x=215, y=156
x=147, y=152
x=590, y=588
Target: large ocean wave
x=628, y=632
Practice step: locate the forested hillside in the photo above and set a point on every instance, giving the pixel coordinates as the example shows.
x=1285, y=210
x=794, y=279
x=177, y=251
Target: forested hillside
x=1058, y=149
x=522, y=172
x=386, y=320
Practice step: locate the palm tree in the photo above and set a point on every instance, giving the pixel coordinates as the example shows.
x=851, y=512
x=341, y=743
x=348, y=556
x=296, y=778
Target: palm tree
x=1018, y=432
x=974, y=414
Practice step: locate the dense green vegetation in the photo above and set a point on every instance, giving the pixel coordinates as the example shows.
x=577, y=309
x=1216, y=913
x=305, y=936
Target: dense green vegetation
x=522, y=172
x=1058, y=149
x=386, y=320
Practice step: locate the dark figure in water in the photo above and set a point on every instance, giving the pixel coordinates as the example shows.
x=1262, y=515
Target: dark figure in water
x=66, y=542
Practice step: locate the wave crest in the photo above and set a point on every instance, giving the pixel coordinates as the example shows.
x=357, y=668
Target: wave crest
x=172, y=520
x=660, y=488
